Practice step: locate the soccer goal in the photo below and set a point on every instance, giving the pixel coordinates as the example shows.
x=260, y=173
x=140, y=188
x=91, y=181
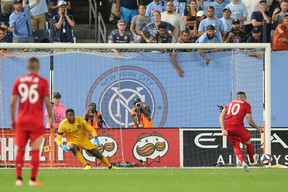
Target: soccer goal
x=188, y=102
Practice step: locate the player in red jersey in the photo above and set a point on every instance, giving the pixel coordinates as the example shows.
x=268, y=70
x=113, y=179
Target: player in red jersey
x=231, y=122
x=32, y=90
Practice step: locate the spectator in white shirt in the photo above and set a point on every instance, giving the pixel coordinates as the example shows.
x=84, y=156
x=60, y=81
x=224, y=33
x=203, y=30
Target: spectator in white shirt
x=174, y=18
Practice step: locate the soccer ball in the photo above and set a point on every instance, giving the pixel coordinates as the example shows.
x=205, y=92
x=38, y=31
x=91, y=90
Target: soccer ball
x=265, y=159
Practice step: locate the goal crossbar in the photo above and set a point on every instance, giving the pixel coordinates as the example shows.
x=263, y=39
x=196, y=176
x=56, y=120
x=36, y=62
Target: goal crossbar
x=136, y=46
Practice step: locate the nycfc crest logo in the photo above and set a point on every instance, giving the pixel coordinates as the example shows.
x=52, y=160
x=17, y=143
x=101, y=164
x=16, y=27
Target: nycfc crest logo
x=116, y=89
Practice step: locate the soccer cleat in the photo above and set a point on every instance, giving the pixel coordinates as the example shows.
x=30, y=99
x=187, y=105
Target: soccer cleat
x=34, y=183
x=255, y=160
x=87, y=167
x=245, y=166
x=113, y=167
x=19, y=182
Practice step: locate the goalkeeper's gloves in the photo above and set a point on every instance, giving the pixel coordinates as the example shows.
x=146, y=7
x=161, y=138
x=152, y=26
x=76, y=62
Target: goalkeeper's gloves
x=65, y=147
x=96, y=141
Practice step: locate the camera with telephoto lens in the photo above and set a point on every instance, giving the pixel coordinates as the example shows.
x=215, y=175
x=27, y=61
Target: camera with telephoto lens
x=92, y=110
x=138, y=105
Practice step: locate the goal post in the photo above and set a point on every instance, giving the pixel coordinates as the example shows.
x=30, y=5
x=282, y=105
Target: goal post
x=112, y=81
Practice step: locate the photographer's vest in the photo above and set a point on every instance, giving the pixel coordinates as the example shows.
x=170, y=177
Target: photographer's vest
x=95, y=121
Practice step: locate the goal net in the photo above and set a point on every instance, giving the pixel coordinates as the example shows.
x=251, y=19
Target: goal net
x=85, y=73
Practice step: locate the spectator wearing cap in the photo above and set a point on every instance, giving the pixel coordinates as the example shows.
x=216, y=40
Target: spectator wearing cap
x=174, y=18
x=120, y=35
x=280, y=40
x=156, y=5
x=251, y=6
x=151, y=28
x=59, y=111
x=38, y=18
x=200, y=17
x=211, y=20
x=235, y=35
x=219, y=5
x=53, y=7
x=238, y=11
x=7, y=6
x=226, y=19
x=20, y=23
x=210, y=36
x=262, y=18
x=138, y=23
x=256, y=36
x=63, y=24
x=126, y=9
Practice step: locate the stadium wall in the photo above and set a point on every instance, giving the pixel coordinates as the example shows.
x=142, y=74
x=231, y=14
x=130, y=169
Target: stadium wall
x=144, y=147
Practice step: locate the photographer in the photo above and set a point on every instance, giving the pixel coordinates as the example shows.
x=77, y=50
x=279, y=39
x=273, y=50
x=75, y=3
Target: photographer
x=94, y=117
x=141, y=115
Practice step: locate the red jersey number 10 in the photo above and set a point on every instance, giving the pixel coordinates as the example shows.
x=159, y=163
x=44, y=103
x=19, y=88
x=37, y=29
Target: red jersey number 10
x=28, y=93
x=233, y=108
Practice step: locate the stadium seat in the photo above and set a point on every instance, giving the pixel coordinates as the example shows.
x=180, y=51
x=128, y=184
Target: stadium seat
x=41, y=35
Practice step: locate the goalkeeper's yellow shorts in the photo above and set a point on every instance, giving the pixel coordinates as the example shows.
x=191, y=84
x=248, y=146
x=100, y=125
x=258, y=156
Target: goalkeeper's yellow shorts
x=84, y=144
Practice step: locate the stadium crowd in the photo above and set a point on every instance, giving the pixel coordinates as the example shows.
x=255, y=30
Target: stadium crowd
x=208, y=21
x=36, y=21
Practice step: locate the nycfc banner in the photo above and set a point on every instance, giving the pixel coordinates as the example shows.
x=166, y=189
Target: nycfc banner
x=207, y=147
x=145, y=147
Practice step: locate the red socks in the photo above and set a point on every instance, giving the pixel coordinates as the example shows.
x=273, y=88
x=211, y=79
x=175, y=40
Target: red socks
x=19, y=162
x=250, y=152
x=239, y=154
x=34, y=163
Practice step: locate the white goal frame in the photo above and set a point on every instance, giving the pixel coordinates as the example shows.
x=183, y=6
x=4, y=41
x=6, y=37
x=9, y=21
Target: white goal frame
x=265, y=46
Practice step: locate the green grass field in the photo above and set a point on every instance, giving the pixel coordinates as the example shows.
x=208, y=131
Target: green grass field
x=138, y=180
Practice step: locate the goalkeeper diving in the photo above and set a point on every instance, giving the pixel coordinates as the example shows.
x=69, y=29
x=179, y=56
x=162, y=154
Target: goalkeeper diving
x=76, y=130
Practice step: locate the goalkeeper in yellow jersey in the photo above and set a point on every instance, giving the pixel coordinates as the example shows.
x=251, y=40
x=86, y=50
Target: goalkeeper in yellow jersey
x=76, y=131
